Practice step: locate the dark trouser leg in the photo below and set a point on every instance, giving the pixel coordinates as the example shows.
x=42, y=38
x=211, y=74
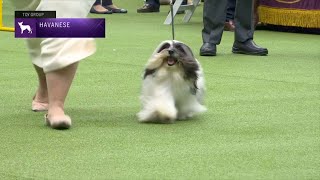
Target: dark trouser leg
x=214, y=16
x=231, y=10
x=106, y=3
x=244, y=20
x=155, y=3
x=255, y=11
x=98, y=2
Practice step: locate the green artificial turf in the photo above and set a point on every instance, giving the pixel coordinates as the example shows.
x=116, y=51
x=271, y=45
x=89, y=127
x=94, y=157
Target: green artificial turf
x=262, y=122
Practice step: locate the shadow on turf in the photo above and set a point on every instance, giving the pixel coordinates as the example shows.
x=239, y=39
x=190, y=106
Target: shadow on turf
x=89, y=118
x=94, y=117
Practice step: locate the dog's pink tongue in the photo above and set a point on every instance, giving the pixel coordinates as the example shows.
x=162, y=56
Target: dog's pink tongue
x=171, y=61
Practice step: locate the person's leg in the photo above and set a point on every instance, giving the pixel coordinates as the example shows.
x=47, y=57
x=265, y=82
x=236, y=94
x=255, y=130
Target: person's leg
x=59, y=59
x=58, y=83
x=150, y=6
x=231, y=7
x=108, y=4
x=244, y=20
x=42, y=91
x=244, y=29
x=155, y=3
x=98, y=8
x=40, y=98
x=229, y=24
x=97, y=2
x=256, y=13
x=214, y=16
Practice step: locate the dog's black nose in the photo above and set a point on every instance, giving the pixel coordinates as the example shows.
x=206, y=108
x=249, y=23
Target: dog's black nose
x=170, y=51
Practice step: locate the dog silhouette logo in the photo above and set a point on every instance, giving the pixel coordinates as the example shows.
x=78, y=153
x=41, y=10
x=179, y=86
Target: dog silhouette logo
x=25, y=27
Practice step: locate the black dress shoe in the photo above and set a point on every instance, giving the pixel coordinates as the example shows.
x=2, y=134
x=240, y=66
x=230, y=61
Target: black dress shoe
x=148, y=8
x=94, y=11
x=208, y=49
x=248, y=47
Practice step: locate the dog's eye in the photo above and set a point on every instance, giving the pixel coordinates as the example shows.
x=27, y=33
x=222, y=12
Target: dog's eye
x=184, y=49
x=165, y=46
x=180, y=48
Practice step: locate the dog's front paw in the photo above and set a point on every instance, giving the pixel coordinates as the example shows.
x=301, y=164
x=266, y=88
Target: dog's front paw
x=184, y=116
x=187, y=112
x=157, y=116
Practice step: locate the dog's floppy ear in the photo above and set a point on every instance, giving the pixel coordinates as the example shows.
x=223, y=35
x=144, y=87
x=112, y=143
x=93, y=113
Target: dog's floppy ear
x=188, y=49
x=189, y=63
x=148, y=72
x=155, y=60
x=163, y=45
x=184, y=49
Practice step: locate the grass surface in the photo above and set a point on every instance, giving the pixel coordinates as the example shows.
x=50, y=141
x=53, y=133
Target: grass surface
x=262, y=120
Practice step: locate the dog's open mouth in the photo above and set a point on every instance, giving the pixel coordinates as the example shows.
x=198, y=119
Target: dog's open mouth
x=171, y=61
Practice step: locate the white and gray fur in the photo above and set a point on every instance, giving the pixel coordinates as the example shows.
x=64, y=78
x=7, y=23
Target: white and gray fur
x=173, y=84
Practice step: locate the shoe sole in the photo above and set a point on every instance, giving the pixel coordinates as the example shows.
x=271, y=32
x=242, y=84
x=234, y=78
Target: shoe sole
x=207, y=54
x=260, y=53
x=97, y=12
x=148, y=11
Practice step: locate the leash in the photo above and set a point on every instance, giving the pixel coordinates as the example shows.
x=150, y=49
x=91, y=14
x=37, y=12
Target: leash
x=172, y=20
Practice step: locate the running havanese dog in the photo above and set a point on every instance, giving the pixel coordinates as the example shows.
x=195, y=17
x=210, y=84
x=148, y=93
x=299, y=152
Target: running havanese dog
x=173, y=84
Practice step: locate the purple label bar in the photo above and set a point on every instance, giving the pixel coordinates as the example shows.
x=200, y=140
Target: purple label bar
x=60, y=28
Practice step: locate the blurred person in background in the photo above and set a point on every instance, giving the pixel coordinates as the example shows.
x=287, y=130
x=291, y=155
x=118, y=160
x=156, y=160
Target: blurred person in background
x=106, y=7
x=214, y=17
